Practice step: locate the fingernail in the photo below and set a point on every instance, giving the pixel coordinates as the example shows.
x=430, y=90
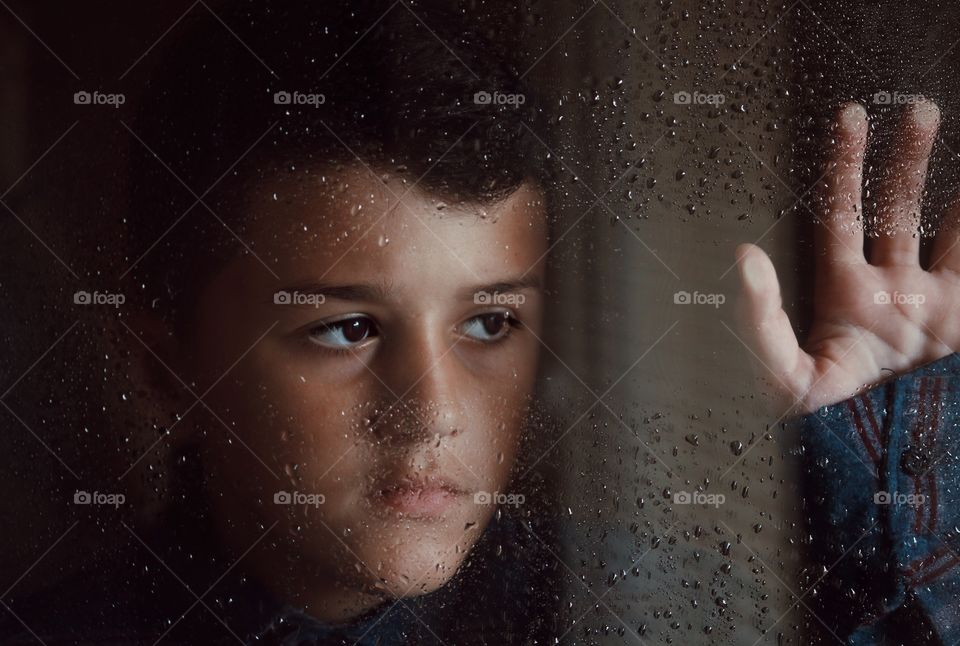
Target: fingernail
x=853, y=113
x=926, y=113
x=750, y=272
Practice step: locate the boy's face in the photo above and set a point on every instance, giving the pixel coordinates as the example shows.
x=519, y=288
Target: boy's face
x=397, y=396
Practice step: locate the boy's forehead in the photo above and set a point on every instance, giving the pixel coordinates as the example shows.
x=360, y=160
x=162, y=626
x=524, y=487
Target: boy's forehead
x=345, y=207
x=357, y=220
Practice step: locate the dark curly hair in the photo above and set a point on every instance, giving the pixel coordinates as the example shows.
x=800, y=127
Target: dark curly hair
x=411, y=90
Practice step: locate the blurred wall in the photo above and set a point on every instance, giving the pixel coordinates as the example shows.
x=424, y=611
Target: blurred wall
x=676, y=139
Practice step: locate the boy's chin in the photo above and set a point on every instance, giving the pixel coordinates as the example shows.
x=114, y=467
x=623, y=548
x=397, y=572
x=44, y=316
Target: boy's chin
x=419, y=570
x=405, y=583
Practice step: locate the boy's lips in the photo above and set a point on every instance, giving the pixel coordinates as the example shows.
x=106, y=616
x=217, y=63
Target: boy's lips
x=419, y=495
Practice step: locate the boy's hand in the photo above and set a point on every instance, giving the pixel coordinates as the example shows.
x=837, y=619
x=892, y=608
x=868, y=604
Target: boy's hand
x=869, y=317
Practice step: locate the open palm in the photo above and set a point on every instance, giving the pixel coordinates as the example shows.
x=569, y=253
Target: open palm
x=870, y=318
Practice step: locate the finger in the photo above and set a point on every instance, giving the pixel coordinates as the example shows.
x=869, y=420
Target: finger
x=764, y=323
x=839, y=237
x=900, y=190
x=945, y=255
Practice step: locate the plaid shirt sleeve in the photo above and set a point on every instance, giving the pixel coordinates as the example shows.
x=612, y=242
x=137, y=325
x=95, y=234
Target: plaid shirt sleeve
x=882, y=472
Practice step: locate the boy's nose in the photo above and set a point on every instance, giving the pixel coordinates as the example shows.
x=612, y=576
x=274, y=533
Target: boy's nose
x=427, y=376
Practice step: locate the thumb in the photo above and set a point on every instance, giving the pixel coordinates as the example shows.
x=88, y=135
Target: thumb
x=765, y=326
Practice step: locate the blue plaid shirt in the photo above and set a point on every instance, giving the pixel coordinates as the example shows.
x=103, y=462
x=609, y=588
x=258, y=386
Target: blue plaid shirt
x=883, y=471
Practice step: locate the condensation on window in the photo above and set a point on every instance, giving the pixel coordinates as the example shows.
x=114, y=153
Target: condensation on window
x=417, y=322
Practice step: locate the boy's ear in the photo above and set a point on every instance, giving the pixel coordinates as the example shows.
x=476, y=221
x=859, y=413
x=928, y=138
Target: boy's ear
x=158, y=369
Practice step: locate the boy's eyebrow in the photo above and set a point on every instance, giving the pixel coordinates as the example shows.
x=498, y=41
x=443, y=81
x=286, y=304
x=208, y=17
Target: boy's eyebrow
x=360, y=292
x=506, y=286
x=380, y=291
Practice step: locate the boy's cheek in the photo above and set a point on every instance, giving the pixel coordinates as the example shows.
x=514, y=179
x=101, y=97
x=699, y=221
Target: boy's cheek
x=312, y=432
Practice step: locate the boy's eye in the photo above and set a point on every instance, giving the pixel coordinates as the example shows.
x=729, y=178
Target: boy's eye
x=492, y=326
x=345, y=333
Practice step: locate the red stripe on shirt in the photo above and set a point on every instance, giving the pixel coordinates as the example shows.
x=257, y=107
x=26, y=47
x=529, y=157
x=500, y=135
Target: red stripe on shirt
x=930, y=576
x=863, y=433
x=925, y=562
x=868, y=406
